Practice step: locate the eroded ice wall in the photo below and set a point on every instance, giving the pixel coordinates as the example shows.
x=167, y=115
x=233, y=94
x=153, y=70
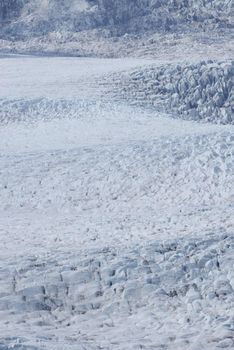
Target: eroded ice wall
x=202, y=91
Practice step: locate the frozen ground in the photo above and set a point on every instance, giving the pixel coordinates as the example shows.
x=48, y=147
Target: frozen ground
x=116, y=221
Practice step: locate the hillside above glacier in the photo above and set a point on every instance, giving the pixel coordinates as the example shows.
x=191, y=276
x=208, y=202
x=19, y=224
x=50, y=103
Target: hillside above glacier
x=119, y=17
x=60, y=26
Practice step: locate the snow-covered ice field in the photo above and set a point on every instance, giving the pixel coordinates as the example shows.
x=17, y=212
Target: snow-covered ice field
x=116, y=221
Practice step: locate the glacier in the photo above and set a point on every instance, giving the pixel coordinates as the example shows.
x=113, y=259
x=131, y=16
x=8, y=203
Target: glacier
x=116, y=174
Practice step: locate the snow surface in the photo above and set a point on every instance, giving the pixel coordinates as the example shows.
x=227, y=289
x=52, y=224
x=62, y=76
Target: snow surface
x=116, y=221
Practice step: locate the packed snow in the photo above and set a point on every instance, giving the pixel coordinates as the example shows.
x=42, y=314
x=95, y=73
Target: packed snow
x=116, y=221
